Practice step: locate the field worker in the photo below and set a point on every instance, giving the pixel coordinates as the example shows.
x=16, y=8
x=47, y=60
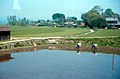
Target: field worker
x=78, y=48
x=78, y=45
x=94, y=45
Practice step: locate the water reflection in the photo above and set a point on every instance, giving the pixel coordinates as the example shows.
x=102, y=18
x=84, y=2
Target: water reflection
x=113, y=62
x=63, y=47
x=94, y=49
x=5, y=58
x=61, y=64
x=78, y=50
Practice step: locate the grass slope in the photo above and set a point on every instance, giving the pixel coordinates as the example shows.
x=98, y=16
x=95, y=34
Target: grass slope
x=46, y=31
x=105, y=33
x=27, y=31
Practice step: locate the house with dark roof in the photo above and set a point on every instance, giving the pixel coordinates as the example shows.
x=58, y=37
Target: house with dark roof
x=113, y=22
x=4, y=33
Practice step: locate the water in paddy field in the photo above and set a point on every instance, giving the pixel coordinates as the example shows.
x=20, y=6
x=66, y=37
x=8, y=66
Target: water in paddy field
x=59, y=64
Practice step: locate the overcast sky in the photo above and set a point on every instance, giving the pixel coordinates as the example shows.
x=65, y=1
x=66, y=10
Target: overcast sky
x=44, y=9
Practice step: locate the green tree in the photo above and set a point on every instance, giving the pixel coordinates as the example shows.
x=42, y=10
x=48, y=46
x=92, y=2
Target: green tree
x=12, y=20
x=97, y=9
x=58, y=18
x=108, y=13
x=23, y=22
x=117, y=16
x=99, y=23
x=93, y=18
x=74, y=18
x=71, y=19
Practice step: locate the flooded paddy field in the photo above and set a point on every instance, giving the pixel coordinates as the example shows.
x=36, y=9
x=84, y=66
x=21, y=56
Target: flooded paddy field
x=59, y=62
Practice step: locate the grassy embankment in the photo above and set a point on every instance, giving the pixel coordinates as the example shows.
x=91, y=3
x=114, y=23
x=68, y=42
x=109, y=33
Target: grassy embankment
x=46, y=32
x=110, y=37
x=60, y=32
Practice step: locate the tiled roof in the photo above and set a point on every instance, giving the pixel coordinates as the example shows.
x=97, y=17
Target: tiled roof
x=4, y=29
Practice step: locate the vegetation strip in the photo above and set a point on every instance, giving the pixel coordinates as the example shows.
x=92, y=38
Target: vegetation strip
x=108, y=50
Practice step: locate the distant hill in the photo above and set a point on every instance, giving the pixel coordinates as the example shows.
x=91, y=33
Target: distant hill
x=3, y=19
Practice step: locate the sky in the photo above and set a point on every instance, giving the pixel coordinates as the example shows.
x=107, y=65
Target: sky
x=44, y=9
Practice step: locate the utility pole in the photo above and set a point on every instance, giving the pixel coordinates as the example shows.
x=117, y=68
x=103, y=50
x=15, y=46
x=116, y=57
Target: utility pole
x=113, y=62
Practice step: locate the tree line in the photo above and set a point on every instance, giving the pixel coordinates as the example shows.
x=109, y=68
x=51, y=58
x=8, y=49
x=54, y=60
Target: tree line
x=13, y=20
x=94, y=18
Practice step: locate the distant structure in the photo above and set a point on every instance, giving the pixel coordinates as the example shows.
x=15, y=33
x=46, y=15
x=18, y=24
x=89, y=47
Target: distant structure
x=4, y=33
x=113, y=22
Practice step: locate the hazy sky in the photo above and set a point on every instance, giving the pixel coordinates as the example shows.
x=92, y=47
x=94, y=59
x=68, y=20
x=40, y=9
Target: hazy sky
x=44, y=9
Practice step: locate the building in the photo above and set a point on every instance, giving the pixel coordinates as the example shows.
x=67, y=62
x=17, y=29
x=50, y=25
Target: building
x=113, y=22
x=4, y=33
x=71, y=24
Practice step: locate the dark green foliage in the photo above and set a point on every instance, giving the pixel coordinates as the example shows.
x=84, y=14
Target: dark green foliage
x=71, y=19
x=19, y=44
x=108, y=13
x=99, y=23
x=93, y=18
x=58, y=18
x=24, y=21
x=12, y=20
